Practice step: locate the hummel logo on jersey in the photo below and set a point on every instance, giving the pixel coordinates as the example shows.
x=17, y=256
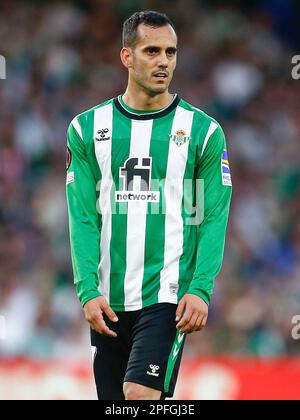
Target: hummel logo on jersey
x=179, y=137
x=136, y=176
x=102, y=133
x=153, y=368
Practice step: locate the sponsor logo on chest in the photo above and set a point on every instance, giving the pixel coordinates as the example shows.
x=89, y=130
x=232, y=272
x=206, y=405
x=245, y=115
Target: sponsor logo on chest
x=136, y=177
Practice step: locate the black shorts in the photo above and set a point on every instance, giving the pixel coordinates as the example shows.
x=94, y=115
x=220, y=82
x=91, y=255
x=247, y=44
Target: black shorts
x=147, y=351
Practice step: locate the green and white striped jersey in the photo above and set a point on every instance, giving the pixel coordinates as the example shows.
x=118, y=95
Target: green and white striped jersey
x=148, y=199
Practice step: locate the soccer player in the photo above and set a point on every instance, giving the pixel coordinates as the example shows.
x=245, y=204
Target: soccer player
x=148, y=189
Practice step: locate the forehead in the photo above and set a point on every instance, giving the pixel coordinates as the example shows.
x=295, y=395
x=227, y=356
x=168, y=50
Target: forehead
x=164, y=36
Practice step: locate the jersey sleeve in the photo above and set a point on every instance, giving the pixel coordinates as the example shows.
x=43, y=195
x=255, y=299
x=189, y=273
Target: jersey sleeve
x=213, y=169
x=84, y=220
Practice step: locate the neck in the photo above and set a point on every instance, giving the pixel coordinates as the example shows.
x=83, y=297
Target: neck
x=140, y=100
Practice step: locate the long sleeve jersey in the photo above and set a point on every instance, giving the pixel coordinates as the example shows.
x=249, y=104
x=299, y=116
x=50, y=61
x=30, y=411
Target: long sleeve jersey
x=148, y=197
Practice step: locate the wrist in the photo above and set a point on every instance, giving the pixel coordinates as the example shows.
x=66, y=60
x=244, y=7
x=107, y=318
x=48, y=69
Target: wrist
x=200, y=293
x=90, y=296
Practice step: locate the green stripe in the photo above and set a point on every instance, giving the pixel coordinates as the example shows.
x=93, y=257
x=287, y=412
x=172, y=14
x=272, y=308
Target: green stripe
x=155, y=223
x=172, y=360
x=120, y=152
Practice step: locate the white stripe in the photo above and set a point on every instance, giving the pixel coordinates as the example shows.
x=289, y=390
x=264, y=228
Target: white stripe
x=77, y=127
x=173, y=192
x=103, y=118
x=211, y=129
x=141, y=132
x=94, y=353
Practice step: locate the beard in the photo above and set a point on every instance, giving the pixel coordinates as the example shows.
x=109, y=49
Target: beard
x=151, y=88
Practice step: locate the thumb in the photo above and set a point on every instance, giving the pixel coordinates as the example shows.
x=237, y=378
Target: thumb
x=109, y=312
x=180, y=309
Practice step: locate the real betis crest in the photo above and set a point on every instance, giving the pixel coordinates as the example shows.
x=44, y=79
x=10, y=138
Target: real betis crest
x=180, y=137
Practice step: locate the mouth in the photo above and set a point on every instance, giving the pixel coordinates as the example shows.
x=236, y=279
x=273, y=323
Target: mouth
x=161, y=75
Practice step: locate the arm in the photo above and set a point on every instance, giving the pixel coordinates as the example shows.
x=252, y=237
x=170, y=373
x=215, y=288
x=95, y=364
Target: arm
x=84, y=221
x=211, y=232
x=84, y=227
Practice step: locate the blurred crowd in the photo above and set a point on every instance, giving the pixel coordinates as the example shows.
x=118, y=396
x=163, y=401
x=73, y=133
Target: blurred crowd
x=234, y=62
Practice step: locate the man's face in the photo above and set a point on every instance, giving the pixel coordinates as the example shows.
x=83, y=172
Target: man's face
x=154, y=58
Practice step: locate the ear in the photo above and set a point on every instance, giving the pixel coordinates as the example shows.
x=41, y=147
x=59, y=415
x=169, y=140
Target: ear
x=126, y=57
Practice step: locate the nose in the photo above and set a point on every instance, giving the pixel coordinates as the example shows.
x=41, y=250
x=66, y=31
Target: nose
x=163, y=60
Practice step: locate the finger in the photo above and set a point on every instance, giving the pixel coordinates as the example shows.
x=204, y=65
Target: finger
x=99, y=325
x=104, y=329
x=198, y=323
x=109, y=312
x=180, y=309
x=185, y=319
x=190, y=326
x=203, y=322
x=109, y=333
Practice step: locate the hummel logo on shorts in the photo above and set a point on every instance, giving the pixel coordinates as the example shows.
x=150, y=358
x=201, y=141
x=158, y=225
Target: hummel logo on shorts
x=153, y=368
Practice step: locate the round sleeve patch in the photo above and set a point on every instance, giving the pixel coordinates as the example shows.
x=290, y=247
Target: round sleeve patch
x=69, y=158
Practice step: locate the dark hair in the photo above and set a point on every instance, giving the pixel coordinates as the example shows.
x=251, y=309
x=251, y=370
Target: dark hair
x=147, y=17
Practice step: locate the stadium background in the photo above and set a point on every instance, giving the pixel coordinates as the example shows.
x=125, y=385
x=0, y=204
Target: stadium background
x=234, y=62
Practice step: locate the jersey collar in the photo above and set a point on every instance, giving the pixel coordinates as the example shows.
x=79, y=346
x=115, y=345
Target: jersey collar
x=145, y=115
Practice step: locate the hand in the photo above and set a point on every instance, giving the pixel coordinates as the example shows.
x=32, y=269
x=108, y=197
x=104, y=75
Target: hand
x=93, y=310
x=195, y=315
